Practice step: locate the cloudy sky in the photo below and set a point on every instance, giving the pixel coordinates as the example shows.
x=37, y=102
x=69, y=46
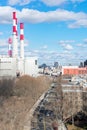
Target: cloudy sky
x=55, y=30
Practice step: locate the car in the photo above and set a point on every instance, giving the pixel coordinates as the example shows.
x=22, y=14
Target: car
x=49, y=113
x=40, y=117
x=42, y=107
x=46, y=112
x=37, y=108
x=48, y=128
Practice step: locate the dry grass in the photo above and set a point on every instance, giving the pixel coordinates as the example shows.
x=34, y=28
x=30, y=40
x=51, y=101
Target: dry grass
x=25, y=92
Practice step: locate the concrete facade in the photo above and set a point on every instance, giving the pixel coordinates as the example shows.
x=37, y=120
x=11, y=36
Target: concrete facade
x=31, y=66
x=8, y=66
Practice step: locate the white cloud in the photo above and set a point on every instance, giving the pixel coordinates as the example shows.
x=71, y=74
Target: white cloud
x=85, y=40
x=6, y=14
x=1, y=33
x=25, y=2
x=53, y=2
x=81, y=45
x=49, y=57
x=34, y=16
x=77, y=1
x=3, y=43
x=59, y=2
x=67, y=44
x=20, y=2
x=66, y=41
x=3, y=46
x=26, y=43
x=44, y=47
x=68, y=47
x=47, y=2
x=13, y=2
x=78, y=23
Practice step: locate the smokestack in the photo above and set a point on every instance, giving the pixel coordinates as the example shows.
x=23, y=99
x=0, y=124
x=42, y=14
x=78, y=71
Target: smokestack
x=22, y=40
x=14, y=23
x=16, y=29
x=15, y=40
x=10, y=47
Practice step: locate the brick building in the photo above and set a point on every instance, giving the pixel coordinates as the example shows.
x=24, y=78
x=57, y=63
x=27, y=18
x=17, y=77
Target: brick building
x=73, y=70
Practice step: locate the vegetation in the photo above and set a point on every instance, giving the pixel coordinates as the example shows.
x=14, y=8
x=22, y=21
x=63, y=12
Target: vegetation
x=17, y=97
x=70, y=108
x=6, y=88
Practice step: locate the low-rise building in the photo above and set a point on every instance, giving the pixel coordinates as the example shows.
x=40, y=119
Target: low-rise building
x=8, y=66
x=73, y=70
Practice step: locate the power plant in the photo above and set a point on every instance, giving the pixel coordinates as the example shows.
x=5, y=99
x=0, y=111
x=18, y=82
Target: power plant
x=15, y=63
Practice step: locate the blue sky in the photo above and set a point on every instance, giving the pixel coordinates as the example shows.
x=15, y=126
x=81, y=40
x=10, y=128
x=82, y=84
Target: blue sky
x=55, y=30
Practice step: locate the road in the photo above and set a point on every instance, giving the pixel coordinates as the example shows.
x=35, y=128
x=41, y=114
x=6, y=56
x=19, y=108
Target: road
x=45, y=111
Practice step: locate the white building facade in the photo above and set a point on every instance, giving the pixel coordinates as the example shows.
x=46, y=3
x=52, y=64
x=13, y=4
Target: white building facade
x=8, y=67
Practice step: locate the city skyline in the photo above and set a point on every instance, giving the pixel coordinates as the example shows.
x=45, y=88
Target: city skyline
x=54, y=30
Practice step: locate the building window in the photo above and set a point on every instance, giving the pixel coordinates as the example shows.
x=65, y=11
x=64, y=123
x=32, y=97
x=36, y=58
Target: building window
x=35, y=62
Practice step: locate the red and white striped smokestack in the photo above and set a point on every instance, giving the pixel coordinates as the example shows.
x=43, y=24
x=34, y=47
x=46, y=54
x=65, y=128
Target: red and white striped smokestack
x=15, y=39
x=14, y=23
x=22, y=40
x=16, y=29
x=10, y=47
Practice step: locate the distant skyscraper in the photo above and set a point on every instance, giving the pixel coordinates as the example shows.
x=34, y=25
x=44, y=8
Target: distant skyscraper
x=85, y=63
x=81, y=64
x=56, y=64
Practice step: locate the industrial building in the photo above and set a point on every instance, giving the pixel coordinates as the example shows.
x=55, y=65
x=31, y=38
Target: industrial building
x=14, y=64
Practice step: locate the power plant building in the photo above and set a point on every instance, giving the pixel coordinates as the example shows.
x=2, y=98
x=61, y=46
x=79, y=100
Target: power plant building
x=15, y=64
x=30, y=66
x=8, y=66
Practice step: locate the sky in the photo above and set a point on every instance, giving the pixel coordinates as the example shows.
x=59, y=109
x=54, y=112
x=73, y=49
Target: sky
x=54, y=30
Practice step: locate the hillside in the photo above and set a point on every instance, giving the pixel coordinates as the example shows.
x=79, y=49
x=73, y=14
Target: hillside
x=17, y=98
